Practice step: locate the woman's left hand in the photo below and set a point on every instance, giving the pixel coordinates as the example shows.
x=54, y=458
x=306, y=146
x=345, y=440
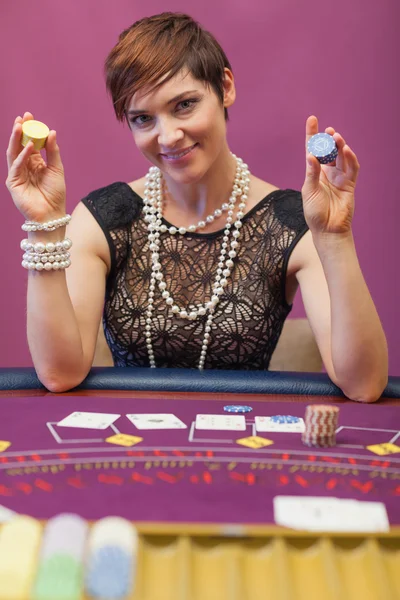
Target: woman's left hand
x=328, y=190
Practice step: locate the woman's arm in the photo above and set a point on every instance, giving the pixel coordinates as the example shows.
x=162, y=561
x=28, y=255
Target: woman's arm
x=337, y=298
x=343, y=316
x=64, y=307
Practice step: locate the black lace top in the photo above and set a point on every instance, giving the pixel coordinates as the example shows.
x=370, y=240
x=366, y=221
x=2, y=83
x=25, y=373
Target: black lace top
x=249, y=317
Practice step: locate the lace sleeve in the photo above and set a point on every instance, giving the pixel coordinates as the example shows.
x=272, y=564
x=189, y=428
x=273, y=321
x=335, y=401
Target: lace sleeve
x=289, y=211
x=114, y=207
x=290, y=214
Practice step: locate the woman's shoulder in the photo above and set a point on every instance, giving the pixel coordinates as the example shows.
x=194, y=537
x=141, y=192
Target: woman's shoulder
x=286, y=203
x=259, y=189
x=115, y=204
x=137, y=186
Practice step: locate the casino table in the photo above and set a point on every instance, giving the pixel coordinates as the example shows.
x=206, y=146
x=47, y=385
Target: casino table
x=202, y=500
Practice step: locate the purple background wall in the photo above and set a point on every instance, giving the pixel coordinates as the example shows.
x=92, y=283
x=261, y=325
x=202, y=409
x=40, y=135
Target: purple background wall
x=290, y=59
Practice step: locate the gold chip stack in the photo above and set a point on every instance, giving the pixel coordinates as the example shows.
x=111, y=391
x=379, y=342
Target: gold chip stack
x=34, y=131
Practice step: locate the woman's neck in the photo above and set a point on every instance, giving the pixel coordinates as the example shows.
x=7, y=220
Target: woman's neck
x=196, y=201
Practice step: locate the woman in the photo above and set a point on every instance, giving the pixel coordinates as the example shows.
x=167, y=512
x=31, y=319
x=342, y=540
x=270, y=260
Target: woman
x=197, y=263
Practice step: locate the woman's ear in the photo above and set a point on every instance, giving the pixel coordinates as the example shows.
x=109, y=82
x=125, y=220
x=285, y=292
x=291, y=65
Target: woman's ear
x=229, y=88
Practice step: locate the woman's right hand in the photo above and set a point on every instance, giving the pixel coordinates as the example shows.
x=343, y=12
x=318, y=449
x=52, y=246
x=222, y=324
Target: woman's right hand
x=38, y=189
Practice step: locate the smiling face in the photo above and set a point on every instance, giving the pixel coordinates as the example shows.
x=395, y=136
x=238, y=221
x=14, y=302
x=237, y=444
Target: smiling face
x=163, y=124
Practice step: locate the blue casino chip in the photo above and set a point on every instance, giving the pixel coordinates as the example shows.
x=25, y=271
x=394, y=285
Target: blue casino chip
x=109, y=573
x=283, y=419
x=323, y=147
x=237, y=409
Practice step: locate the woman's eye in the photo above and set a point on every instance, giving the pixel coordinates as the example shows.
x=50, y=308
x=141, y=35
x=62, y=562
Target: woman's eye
x=191, y=103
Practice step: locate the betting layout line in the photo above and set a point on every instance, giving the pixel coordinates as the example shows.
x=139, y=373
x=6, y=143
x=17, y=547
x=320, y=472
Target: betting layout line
x=392, y=441
x=254, y=433
x=205, y=440
x=60, y=440
x=192, y=439
x=227, y=459
x=231, y=449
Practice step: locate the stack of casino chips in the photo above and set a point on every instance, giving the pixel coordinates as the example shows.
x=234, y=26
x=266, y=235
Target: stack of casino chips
x=19, y=544
x=320, y=422
x=60, y=569
x=111, y=561
x=323, y=147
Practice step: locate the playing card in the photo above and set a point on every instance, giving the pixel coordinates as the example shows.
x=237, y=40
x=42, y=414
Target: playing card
x=221, y=422
x=88, y=420
x=156, y=421
x=329, y=514
x=269, y=424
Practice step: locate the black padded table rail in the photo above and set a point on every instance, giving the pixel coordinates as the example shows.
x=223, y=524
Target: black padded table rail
x=193, y=380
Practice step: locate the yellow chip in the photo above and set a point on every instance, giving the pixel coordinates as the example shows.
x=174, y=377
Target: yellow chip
x=4, y=445
x=254, y=441
x=34, y=131
x=384, y=449
x=123, y=439
x=20, y=540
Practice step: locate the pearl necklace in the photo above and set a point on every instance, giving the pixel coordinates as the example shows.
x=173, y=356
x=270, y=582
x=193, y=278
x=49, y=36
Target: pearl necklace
x=153, y=208
x=200, y=225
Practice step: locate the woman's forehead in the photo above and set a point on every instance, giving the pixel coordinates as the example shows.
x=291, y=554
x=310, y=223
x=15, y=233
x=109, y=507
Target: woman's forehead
x=167, y=90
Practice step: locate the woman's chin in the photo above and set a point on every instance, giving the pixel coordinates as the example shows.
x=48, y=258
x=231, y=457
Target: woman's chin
x=184, y=178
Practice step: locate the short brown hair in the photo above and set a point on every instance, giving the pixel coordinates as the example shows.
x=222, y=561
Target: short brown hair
x=159, y=45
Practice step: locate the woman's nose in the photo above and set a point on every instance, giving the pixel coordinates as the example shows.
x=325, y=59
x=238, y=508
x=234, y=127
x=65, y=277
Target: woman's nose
x=168, y=135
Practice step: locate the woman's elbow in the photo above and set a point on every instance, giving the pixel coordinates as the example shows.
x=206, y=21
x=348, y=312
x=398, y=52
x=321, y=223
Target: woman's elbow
x=371, y=394
x=60, y=382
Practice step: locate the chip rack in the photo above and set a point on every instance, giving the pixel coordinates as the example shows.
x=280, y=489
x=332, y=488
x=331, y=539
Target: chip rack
x=191, y=562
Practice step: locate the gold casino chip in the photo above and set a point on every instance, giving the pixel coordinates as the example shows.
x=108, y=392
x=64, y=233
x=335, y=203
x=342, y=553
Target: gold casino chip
x=36, y=131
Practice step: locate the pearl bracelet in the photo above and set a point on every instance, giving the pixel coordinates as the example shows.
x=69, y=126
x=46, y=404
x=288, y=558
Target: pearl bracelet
x=52, y=256
x=48, y=226
x=51, y=247
x=48, y=266
x=44, y=258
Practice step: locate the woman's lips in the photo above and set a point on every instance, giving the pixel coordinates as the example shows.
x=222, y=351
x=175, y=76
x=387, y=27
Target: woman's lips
x=181, y=158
